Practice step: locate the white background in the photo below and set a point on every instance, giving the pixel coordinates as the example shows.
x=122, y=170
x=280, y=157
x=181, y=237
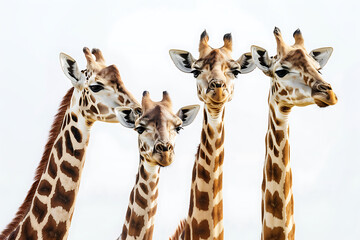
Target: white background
x=136, y=36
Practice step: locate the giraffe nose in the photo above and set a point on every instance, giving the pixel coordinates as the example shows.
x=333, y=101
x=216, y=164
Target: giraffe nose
x=163, y=147
x=216, y=84
x=322, y=87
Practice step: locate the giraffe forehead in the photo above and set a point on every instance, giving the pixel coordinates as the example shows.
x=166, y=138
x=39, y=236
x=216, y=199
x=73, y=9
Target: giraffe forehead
x=299, y=58
x=159, y=115
x=214, y=58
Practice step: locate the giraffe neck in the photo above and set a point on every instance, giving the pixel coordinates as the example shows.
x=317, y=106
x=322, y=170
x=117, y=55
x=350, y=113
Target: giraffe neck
x=277, y=205
x=205, y=215
x=140, y=215
x=52, y=206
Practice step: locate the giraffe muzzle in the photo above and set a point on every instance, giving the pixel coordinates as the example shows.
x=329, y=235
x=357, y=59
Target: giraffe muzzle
x=217, y=90
x=323, y=95
x=163, y=153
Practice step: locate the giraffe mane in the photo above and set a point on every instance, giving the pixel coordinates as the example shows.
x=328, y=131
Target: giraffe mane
x=179, y=230
x=55, y=129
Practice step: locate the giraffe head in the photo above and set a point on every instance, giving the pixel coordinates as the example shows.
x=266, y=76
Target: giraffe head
x=98, y=89
x=157, y=127
x=295, y=73
x=215, y=70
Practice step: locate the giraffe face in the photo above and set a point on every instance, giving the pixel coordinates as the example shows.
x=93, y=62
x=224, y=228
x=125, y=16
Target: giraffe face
x=99, y=88
x=296, y=77
x=157, y=127
x=215, y=74
x=215, y=70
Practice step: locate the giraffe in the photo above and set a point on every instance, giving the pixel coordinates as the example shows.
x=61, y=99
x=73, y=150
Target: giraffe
x=157, y=128
x=215, y=71
x=49, y=205
x=295, y=81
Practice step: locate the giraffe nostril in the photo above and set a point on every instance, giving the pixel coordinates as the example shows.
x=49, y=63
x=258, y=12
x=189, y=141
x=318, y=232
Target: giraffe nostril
x=138, y=110
x=212, y=85
x=163, y=147
x=216, y=84
x=324, y=87
x=169, y=147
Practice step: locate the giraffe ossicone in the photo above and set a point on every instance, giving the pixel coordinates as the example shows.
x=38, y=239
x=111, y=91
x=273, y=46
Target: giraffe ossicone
x=215, y=71
x=49, y=205
x=295, y=81
x=157, y=127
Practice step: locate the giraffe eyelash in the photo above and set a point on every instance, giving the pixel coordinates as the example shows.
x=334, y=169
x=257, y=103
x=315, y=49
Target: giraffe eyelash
x=178, y=128
x=196, y=73
x=140, y=129
x=96, y=88
x=281, y=73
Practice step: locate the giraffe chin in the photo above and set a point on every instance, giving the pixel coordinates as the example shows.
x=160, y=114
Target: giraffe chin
x=324, y=99
x=218, y=97
x=164, y=159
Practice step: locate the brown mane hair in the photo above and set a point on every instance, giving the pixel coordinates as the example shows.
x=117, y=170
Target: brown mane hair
x=179, y=230
x=54, y=132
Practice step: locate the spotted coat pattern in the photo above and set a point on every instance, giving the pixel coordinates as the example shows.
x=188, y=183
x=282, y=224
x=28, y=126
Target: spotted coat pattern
x=295, y=81
x=48, y=208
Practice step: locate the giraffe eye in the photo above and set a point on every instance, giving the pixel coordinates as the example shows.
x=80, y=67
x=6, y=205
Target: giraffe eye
x=196, y=73
x=235, y=72
x=178, y=128
x=140, y=129
x=96, y=88
x=281, y=73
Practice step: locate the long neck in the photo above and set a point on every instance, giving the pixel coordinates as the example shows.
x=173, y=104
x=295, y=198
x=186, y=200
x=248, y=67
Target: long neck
x=277, y=204
x=139, y=222
x=52, y=205
x=205, y=218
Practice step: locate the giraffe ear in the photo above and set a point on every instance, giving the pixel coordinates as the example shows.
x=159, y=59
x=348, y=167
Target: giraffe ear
x=183, y=60
x=71, y=69
x=246, y=63
x=187, y=114
x=126, y=116
x=261, y=58
x=321, y=55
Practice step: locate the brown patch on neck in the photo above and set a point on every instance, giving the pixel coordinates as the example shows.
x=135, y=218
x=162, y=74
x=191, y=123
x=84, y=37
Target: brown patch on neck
x=54, y=132
x=273, y=233
x=286, y=152
x=202, y=200
x=289, y=210
x=274, y=204
x=136, y=225
x=27, y=231
x=217, y=213
x=52, y=230
x=149, y=233
x=200, y=230
x=273, y=171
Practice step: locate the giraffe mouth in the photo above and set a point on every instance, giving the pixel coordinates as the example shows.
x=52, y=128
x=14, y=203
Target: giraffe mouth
x=324, y=98
x=217, y=95
x=163, y=159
